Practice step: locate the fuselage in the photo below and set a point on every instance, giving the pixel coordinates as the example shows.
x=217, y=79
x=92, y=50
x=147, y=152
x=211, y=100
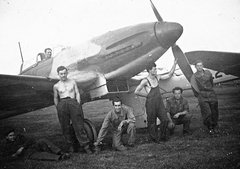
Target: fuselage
x=119, y=54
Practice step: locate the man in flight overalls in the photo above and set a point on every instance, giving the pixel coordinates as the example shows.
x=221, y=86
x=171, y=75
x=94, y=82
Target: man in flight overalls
x=154, y=104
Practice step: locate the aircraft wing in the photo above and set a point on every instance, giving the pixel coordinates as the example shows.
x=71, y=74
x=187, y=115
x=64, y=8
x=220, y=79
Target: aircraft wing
x=228, y=63
x=21, y=94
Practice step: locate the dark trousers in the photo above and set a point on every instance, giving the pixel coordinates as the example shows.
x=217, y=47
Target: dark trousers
x=209, y=111
x=71, y=110
x=117, y=135
x=155, y=109
x=43, y=150
x=182, y=119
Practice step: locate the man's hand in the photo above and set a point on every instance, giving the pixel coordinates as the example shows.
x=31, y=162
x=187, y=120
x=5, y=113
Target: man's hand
x=19, y=151
x=176, y=115
x=175, y=61
x=14, y=155
x=171, y=125
x=120, y=125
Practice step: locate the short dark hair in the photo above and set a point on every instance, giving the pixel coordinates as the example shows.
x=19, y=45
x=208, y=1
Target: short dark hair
x=60, y=68
x=150, y=66
x=116, y=99
x=198, y=61
x=8, y=132
x=47, y=49
x=177, y=88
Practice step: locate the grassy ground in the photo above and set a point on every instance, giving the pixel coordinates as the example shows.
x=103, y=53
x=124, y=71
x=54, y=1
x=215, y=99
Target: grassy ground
x=200, y=150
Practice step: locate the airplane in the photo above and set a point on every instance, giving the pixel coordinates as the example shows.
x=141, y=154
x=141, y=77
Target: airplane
x=104, y=68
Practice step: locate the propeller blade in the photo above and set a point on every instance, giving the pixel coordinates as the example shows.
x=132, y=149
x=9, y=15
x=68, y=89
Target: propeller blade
x=184, y=66
x=159, y=18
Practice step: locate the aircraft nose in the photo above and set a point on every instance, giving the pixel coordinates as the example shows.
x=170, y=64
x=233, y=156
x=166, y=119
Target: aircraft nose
x=167, y=33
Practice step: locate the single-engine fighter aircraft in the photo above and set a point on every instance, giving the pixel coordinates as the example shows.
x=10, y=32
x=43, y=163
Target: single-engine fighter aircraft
x=103, y=68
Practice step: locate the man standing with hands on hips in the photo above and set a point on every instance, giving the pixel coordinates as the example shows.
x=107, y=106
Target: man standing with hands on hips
x=69, y=109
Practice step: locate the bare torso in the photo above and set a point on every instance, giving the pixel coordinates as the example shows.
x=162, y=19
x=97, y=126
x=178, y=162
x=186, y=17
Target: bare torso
x=66, y=88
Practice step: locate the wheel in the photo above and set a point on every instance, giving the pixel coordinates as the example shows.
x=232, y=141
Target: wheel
x=90, y=130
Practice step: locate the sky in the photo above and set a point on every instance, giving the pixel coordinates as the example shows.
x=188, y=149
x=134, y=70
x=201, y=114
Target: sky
x=208, y=25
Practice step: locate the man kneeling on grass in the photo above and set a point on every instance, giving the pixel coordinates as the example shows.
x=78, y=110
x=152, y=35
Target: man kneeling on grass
x=178, y=112
x=19, y=146
x=122, y=119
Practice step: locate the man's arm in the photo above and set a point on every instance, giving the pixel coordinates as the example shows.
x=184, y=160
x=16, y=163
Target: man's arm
x=185, y=111
x=77, y=92
x=168, y=107
x=55, y=95
x=104, y=129
x=169, y=74
x=130, y=116
x=140, y=87
x=211, y=79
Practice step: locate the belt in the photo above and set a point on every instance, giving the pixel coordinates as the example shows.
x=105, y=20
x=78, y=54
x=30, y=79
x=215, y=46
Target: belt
x=65, y=98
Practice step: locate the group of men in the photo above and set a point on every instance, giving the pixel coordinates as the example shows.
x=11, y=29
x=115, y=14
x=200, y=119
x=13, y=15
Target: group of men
x=70, y=114
x=68, y=103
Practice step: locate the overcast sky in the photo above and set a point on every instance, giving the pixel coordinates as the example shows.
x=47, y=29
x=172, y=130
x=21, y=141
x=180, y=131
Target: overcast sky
x=208, y=24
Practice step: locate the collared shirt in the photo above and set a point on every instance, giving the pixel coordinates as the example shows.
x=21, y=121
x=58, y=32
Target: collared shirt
x=205, y=84
x=205, y=81
x=173, y=106
x=115, y=119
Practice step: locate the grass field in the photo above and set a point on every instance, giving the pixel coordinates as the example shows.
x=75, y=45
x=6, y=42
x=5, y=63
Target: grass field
x=199, y=150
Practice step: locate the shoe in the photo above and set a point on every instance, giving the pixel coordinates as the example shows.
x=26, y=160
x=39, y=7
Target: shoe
x=96, y=149
x=64, y=156
x=163, y=139
x=71, y=149
x=87, y=149
x=121, y=148
x=130, y=145
x=171, y=132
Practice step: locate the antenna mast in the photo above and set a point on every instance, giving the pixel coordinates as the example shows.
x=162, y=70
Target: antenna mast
x=21, y=56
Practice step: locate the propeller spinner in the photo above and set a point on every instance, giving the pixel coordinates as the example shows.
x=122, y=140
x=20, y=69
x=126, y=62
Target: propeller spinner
x=178, y=54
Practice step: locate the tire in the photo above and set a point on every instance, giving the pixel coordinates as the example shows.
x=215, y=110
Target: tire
x=90, y=130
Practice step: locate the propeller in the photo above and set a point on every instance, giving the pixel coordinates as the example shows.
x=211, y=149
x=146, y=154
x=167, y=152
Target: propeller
x=178, y=54
x=159, y=18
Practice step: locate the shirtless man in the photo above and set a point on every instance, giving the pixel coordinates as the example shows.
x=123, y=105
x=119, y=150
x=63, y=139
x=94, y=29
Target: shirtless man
x=154, y=103
x=69, y=108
